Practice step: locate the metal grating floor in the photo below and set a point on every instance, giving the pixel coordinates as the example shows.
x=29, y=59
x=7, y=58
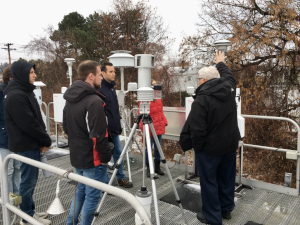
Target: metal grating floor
x=257, y=205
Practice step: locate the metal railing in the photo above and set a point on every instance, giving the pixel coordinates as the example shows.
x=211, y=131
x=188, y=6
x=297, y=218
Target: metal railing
x=278, y=188
x=242, y=180
x=6, y=206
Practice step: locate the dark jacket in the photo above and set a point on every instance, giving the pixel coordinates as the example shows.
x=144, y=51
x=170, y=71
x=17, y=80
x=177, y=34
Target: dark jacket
x=3, y=131
x=25, y=126
x=84, y=121
x=112, y=107
x=212, y=123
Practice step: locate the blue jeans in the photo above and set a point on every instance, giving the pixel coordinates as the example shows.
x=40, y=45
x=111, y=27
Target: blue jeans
x=29, y=177
x=13, y=172
x=116, y=155
x=156, y=152
x=87, y=197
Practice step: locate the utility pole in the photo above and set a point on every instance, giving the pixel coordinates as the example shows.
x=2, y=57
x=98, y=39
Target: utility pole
x=9, y=49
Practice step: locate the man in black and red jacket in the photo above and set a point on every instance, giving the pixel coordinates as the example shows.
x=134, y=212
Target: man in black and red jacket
x=84, y=120
x=211, y=130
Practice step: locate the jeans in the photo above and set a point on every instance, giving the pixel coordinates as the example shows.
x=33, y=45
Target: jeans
x=29, y=177
x=116, y=155
x=13, y=172
x=87, y=197
x=156, y=152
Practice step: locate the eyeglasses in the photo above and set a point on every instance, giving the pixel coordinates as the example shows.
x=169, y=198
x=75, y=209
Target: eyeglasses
x=199, y=78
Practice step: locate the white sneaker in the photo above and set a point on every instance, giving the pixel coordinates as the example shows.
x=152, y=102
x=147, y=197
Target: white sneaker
x=42, y=215
x=43, y=221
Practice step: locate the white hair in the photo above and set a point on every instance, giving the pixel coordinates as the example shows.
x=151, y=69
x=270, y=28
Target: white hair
x=209, y=73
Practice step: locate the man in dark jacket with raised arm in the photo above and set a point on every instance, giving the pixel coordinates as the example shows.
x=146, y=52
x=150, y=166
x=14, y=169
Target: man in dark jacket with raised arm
x=84, y=120
x=211, y=130
x=26, y=131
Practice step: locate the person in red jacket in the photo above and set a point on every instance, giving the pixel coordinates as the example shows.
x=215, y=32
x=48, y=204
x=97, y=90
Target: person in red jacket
x=159, y=123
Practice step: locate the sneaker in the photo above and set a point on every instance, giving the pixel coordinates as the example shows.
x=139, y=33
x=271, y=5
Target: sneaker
x=41, y=220
x=124, y=183
x=42, y=215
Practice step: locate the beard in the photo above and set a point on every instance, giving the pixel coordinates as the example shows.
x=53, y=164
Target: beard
x=97, y=86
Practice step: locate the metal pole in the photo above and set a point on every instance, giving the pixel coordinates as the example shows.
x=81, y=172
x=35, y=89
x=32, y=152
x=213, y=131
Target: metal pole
x=163, y=160
x=47, y=117
x=56, y=134
x=4, y=194
x=152, y=174
x=70, y=72
x=144, y=156
x=241, y=165
x=122, y=78
x=298, y=162
x=125, y=136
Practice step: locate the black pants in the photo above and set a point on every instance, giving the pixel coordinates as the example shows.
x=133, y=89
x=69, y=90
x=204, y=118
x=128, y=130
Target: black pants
x=217, y=181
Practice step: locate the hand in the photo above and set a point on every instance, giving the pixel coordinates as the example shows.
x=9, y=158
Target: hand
x=220, y=57
x=44, y=149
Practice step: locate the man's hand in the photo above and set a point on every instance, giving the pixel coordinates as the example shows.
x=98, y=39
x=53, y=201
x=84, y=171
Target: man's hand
x=220, y=57
x=44, y=149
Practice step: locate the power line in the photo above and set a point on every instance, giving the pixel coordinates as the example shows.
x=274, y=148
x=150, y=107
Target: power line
x=8, y=50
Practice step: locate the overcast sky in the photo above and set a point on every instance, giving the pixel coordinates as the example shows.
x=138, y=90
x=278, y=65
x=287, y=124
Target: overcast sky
x=22, y=20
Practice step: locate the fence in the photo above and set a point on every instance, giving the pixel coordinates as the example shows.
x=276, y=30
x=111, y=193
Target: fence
x=6, y=206
x=273, y=187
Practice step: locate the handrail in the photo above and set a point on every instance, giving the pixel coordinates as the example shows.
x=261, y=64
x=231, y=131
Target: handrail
x=279, y=149
x=84, y=180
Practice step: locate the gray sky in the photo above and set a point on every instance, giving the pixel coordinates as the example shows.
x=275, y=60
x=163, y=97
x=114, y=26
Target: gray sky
x=22, y=20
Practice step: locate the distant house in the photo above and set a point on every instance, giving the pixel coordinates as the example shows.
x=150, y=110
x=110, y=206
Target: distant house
x=184, y=78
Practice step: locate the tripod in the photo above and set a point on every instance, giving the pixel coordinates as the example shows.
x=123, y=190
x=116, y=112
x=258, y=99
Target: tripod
x=147, y=121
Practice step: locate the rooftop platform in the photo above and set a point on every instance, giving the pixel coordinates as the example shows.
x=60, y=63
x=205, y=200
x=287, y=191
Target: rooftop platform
x=256, y=205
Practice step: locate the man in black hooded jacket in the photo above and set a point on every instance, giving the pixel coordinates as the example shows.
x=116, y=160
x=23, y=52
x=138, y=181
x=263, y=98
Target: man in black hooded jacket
x=211, y=130
x=26, y=130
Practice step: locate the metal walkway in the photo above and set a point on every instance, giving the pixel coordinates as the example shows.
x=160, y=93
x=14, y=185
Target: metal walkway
x=257, y=205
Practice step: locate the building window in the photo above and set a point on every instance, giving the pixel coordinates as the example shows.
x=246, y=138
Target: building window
x=189, y=78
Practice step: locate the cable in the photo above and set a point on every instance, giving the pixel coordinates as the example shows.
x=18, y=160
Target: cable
x=175, y=163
